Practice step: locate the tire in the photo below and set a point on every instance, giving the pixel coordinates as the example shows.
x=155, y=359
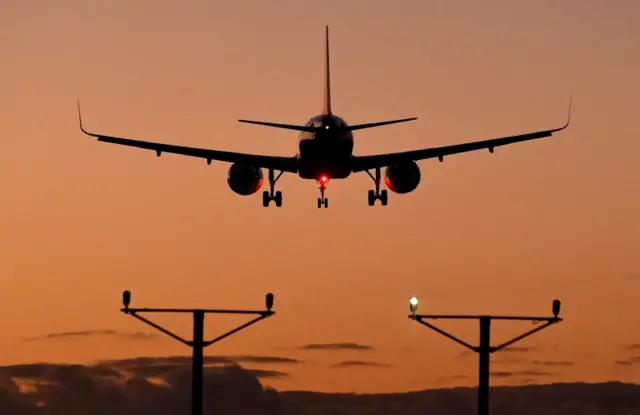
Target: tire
x=372, y=197
x=265, y=199
x=384, y=198
x=326, y=203
x=278, y=199
x=319, y=203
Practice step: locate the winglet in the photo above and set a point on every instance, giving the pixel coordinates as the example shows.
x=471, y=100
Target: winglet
x=80, y=121
x=80, y=116
x=569, y=116
x=566, y=124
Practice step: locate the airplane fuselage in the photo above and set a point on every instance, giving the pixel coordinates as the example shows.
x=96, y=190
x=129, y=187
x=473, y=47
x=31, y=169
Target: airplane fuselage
x=326, y=152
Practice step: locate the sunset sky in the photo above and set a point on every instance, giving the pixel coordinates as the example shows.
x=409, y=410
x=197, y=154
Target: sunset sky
x=505, y=233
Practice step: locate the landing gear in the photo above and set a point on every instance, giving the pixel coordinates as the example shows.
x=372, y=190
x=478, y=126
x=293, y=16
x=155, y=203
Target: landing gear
x=377, y=194
x=323, y=201
x=268, y=196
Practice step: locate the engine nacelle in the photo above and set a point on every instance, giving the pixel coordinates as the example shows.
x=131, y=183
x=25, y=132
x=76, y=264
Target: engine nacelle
x=245, y=180
x=402, y=178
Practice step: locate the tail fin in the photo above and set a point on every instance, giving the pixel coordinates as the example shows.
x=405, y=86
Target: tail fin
x=326, y=109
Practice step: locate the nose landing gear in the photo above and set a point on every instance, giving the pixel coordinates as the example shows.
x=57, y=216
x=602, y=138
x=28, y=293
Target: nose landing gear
x=323, y=201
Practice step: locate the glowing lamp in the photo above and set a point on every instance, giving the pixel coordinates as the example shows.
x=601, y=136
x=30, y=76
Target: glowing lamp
x=324, y=179
x=413, y=304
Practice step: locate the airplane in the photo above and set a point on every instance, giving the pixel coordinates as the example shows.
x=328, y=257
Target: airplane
x=325, y=152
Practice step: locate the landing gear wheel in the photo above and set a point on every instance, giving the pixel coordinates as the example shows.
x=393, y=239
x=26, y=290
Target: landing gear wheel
x=268, y=196
x=319, y=203
x=326, y=203
x=372, y=198
x=377, y=194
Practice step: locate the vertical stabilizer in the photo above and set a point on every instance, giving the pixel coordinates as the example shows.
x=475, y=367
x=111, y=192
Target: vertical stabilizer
x=326, y=109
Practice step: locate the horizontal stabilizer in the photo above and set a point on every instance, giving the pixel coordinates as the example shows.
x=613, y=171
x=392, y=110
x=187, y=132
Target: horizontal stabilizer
x=378, y=124
x=277, y=125
x=314, y=129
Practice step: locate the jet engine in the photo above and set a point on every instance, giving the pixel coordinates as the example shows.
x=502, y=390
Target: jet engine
x=402, y=178
x=244, y=180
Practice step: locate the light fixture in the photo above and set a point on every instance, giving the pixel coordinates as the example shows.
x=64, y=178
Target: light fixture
x=126, y=299
x=556, y=308
x=413, y=304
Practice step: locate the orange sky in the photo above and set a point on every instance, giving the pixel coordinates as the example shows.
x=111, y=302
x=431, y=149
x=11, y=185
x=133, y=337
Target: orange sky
x=503, y=233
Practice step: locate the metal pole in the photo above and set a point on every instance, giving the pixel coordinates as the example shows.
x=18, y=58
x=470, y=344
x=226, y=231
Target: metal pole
x=197, y=363
x=485, y=353
x=485, y=349
x=198, y=343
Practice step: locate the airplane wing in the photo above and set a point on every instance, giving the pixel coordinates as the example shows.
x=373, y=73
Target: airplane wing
x=362, y=163
x=285, y=164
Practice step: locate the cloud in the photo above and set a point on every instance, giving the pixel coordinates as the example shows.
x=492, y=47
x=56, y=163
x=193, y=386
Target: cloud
x=507, y=360
x=336, y=346
x=517, y=349
x=158, y=366
x=262, y=359
x=452, y=377
x=633, y=360
x=105, y=389
x=261, y=373
x=552, y=363
x=628, y=362
x=93, y=333
x=508, y=349
x=529, y=373
x=358, y=363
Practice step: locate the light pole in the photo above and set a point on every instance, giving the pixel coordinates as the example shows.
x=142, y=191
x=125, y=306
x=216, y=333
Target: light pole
x=198, y=343
x=485, y=349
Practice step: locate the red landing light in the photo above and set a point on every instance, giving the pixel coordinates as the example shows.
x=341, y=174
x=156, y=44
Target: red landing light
x=324, y=179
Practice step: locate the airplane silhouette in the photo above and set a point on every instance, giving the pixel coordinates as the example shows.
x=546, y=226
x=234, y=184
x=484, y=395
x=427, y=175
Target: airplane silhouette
x=325, y=152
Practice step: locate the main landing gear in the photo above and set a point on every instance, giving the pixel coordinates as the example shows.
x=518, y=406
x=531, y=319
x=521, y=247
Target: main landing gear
x=268, y=196
x=377, y=194
x=323, y=201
